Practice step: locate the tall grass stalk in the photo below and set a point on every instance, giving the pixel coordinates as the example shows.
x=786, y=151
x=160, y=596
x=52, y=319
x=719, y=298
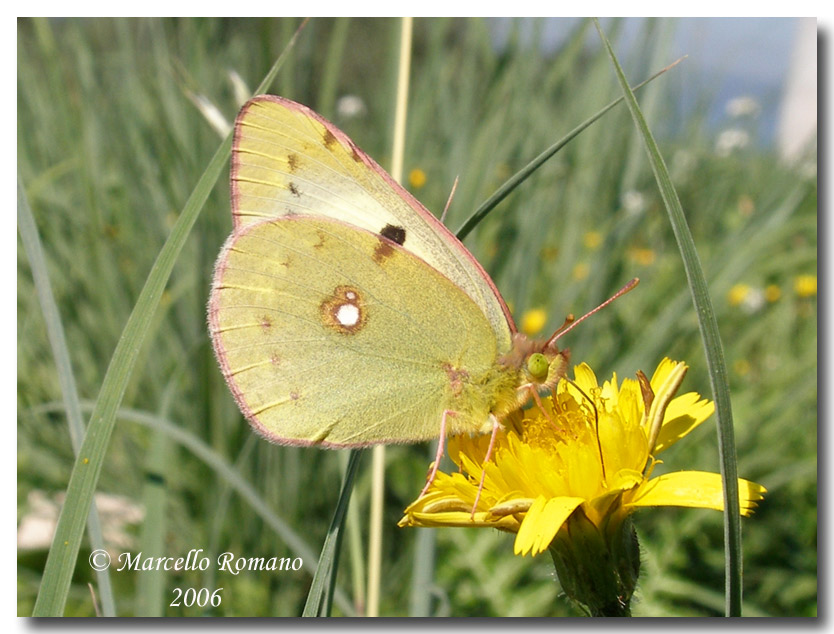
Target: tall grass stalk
x=60, y=562
x=34, y=251
x=378, y=468
x=708, y=325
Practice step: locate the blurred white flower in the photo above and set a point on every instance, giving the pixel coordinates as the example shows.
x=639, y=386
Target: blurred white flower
x=239, y=88
x=350, y=106
x=754, y=301
x=633, y=202
x=742, y=107
x=730, y=140
x=37, y=526
x=211, y=113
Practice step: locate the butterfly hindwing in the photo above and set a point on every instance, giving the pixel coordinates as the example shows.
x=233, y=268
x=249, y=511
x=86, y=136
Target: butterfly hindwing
x=331, y=334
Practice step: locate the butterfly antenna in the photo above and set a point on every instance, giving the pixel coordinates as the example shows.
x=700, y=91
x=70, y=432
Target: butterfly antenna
x=570, y=323
x=449, y=202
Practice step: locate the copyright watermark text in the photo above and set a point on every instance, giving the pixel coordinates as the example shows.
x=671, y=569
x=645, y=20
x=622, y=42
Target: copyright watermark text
x=195, y=560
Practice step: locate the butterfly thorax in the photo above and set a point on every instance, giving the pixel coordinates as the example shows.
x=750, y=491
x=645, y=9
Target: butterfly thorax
x=506, y=386
x=474, y=396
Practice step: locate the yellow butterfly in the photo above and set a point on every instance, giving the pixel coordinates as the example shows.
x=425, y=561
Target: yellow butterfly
x=343, y=313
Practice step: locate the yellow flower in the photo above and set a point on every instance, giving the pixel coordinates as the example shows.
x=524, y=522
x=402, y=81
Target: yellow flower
x=592, y=239
x=772, y=293
x=742, y=367
x=567, y=478
x=805, y=285
x=644, y=257
x=539, y=475
x=581, y=271
x=417, y=178
x=738, y=294
x=532, y=321
x=549, y=253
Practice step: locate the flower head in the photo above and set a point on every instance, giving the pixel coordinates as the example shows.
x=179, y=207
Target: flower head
x=805, y=285
x=578, y=468
x=533, y=320
x=417, y=178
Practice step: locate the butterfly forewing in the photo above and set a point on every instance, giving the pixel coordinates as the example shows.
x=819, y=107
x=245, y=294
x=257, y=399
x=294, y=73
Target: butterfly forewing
x=287, y=160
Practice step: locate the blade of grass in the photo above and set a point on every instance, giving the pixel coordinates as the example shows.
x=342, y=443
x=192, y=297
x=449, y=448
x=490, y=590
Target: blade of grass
x=225, y=472
x=502, y=192
x=378, y=459
x=60, y=562
x=320, y=597
x=150, y=589
x=55, y=331
x=708, y=325
x=330, y=79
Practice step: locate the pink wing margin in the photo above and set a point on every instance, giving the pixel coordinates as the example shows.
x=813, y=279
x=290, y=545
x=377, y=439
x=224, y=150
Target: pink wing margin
x=416, y=205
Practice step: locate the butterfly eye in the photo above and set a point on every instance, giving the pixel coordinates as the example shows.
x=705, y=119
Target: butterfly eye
x=537, y=366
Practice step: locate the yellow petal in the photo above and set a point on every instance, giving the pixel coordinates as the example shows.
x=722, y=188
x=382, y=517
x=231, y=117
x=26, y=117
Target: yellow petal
x=664, y=369
x=683, y=415
x=462, y=519
x=542, y=522
x=585, y=377
x=696, y=489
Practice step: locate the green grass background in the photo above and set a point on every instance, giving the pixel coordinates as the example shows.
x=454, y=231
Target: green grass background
x=109, y=148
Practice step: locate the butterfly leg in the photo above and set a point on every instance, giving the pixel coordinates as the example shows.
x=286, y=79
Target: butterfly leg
x=538, y=400
x=441, y=445
x=495, y=427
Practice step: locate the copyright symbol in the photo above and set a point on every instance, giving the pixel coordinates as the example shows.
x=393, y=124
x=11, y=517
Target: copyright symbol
x=99, y=560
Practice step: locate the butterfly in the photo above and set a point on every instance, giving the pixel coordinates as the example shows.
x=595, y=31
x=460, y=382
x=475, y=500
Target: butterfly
x=343, y=313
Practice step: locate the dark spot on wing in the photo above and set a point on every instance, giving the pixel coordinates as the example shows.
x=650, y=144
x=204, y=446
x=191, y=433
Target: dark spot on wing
x=294, y=190
x=384, y=249
x=292, y=162
x=394, y=234
x=328, y=139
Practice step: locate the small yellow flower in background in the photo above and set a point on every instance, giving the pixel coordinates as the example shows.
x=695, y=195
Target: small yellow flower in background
x=592, y=239
x=532, y=321
x=646, y=257
x=741, y=367
x=581, y=271
x=549, y=253
x=805, y=285
x=416, y=178
x=738, y=294
x=503, y=171
x=772, y=293
x=747, y=297
x=567, y=479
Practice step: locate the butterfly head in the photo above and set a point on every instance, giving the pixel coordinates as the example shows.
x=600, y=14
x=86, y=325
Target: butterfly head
x=546, y=368
x=540, y=364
